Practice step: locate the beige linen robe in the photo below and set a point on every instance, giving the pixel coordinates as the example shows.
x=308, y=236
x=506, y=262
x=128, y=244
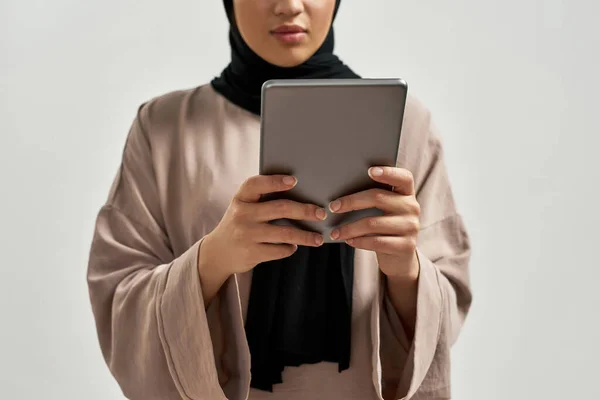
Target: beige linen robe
x=185, y=156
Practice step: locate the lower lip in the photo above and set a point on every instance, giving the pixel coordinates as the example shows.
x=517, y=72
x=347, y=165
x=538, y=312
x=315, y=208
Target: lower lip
x=290, y=37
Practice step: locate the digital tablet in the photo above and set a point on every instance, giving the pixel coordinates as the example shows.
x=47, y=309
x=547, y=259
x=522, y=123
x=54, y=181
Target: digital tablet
x=328, y=133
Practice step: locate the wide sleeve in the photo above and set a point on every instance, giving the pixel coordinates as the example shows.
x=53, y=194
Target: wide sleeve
x=420, y=369
x=147, y=302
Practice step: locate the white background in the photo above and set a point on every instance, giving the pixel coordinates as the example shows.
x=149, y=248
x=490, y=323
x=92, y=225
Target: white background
x=513, y=84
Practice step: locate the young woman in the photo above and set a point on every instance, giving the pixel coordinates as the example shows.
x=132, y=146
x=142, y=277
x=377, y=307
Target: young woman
x=196, y=296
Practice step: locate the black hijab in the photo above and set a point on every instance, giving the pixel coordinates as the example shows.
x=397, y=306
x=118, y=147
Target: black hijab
x=300, y=308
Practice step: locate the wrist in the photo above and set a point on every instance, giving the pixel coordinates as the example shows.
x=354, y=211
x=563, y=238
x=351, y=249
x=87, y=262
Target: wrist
x=403, y=293
x=212, y=275
x=407, y=275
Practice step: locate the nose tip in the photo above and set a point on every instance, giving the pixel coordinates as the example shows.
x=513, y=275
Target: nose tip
x=289, y=7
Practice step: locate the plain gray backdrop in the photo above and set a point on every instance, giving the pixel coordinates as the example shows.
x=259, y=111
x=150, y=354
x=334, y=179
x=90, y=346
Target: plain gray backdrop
x=513, y=85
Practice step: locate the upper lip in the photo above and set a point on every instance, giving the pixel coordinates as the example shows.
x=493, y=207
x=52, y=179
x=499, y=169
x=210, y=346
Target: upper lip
x=289, y=28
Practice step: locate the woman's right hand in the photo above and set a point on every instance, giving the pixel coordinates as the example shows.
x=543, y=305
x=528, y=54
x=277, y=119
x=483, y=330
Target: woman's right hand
x=244, y=238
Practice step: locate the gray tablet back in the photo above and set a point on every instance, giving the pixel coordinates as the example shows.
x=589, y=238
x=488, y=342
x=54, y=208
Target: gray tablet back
x=328, y=133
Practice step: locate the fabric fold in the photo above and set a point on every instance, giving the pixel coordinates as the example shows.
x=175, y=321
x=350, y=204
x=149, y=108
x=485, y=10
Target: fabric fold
x=154, y=333
x=184, y=331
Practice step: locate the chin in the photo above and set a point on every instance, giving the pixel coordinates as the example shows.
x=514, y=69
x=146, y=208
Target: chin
x=289, y=63
x=288, y=58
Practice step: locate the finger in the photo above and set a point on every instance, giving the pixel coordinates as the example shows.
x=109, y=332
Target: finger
x=253, y=188
x=267, y=233
x=385, y=200
x=270, y=252
x=289, y=209
x=399, y=178
x=389, y=225
x=392, y=245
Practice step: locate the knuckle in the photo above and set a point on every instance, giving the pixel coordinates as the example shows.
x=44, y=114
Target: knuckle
x=372, y=223
x=408, y=245
x=305, y=238
x=287, y=235
x=403, y=174
x=275, y=182
x=247, y=183
x=411, y=244
x=380, y=196
x=309, y=211
x=282, y=207
x=416, y=208
x=346, y=203
x=238, y=234
x=237, y=210
x=414, y=226
x=301, y=238
x=378, y=242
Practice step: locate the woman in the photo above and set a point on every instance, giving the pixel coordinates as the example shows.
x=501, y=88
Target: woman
x=188, y=281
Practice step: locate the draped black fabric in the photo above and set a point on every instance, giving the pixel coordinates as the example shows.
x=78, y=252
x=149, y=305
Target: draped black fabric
x=300, y=312
x=300, y=308
x=241, y=81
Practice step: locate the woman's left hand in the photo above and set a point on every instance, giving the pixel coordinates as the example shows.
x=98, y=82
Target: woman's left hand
x=392, y=236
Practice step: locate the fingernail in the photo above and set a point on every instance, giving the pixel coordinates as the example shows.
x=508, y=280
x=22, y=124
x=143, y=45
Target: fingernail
x=289, y=180
x=350, y=241
x=321, y=214
x=318, y=240
x=335, y=205
x=376, y=171
x=335, y=234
